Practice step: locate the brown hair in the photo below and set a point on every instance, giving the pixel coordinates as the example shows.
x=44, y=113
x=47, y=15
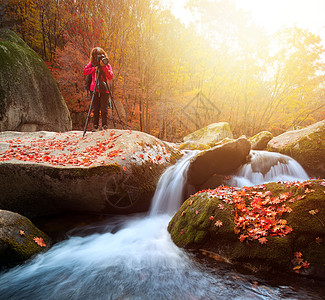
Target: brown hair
x=93, y=55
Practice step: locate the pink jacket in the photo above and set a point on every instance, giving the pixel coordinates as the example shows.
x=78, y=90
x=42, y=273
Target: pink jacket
x=91, y=70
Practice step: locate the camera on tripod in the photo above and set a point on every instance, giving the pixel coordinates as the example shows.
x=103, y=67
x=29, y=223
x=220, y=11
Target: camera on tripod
x=102, y=58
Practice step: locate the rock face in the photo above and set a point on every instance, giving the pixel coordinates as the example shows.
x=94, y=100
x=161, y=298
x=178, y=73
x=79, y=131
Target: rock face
x=306, y=146
x=277, y=226
x=220, y=160
x=19, y=238
x=112, y=171
x=207, y=137
x=260, y=140
x=29, y=97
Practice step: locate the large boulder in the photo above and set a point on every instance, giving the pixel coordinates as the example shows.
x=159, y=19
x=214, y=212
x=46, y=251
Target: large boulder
x=112, y=171
x=306, y=146
x=29, y=97
x=260, y=140
x=207, y=137
x=223, y=159
x=271, y=226
x=20, y=239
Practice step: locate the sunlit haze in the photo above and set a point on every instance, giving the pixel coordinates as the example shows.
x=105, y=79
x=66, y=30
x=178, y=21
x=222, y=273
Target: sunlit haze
x=274, y=14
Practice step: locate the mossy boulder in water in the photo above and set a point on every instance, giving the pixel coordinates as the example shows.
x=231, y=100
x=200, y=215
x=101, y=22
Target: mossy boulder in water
x=207, y=137
x=271, y=226
x=111, y=171
x=260, y=140
x=29, y=97
x=19, y=238
x=306, y=146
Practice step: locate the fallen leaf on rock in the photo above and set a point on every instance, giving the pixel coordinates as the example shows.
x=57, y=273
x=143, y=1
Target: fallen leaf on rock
x=218, y=223
x=39, y=241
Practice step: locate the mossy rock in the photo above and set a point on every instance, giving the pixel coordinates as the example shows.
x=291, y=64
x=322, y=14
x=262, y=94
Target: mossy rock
x=19, y=238
x=207, y=137
x=190, y=145
x=260, y=140
x=263, y=225
x=30, y=99
x=306, y=146
x=195, y=221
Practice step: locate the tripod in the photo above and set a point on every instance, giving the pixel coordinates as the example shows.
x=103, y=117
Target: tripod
x=110, y=98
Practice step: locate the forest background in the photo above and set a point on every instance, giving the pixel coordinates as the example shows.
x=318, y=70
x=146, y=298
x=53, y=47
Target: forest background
x=173, y=77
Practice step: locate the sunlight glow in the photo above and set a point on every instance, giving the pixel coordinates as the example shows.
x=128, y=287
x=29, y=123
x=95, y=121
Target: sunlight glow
x=274, y=14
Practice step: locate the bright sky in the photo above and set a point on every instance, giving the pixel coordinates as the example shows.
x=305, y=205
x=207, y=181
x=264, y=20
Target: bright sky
x=273, y=14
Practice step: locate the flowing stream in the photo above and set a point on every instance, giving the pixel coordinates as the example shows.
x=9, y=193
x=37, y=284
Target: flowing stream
x=134, y=258
x=268, y=167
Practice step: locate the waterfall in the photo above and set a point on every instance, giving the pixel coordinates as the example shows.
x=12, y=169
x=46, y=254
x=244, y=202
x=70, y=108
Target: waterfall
x=267, y=166
x=133, y=257
x=169, y=192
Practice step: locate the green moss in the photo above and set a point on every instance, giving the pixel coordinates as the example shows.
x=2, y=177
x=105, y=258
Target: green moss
x=308, y=150
x=19, y=247
x=80, y=172
x=192, y=226
x=97, y=170
x=199, y=214
x=300, y=218
x=277, y=251
x=194, y=146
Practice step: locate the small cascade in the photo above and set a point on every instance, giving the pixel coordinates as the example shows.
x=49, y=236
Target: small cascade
x=134, y=257
x=169, y=192
x=267, y=166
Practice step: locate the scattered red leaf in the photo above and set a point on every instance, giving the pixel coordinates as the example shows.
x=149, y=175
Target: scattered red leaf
x=39, y=241
x=218, y=223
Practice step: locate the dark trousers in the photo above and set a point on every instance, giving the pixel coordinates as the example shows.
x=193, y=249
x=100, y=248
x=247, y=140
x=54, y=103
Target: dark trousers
x=100, y=106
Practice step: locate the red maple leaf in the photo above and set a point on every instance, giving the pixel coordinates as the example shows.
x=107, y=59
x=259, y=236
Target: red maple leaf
x=262, y=240
x=218, y=223
x=39, y=241
x=305, y=264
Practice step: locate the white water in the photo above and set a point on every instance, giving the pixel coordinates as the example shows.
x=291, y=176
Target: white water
x=268, y=167
x=133, y=258
x=169, y=192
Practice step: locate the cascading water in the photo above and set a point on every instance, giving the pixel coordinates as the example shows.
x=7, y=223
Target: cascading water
x=169, y=191
x=268, y=167
x=133, y=258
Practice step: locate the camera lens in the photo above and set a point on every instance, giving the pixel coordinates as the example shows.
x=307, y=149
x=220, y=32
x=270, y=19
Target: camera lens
x=105, y=60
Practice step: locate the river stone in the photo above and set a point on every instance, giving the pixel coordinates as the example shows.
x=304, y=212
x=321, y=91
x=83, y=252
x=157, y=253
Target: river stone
x=223, y=159
x=260, y=140
x=29, y=97
x=207, y=137
x=17, y=235
x=211, y=222
x=306, y=146
x=111, y=171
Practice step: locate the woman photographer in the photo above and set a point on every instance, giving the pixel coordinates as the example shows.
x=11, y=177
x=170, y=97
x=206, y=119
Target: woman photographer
x=98, y=59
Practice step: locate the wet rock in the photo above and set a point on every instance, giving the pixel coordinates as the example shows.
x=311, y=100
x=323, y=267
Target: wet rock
x=207, y=137
x=29, y=97
x=112, y=171
x=19, y=238
x=260, y=140
x=306, y=146
x=278, y=226
x=220, y=160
